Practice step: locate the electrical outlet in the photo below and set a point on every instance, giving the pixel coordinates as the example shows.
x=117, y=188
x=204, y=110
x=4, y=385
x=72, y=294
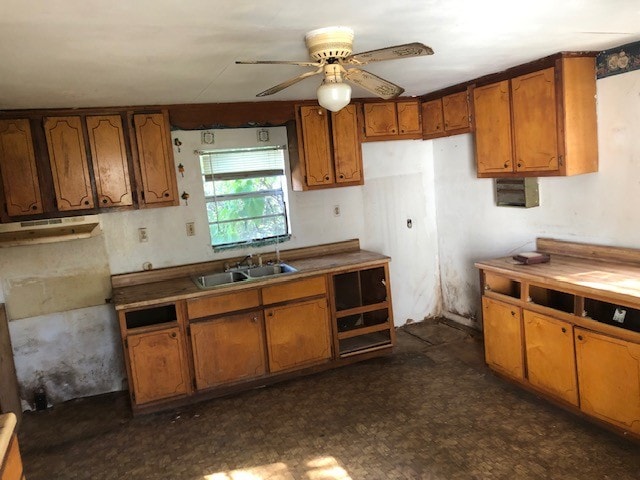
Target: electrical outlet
x=142, y=235
x=336, y=210
x=191, y=229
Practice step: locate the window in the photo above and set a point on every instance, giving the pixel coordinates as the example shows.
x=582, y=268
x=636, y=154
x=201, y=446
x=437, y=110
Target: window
x=246, y=195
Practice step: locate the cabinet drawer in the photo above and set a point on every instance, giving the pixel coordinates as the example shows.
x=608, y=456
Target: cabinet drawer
x=230, y=302
x=308, y=287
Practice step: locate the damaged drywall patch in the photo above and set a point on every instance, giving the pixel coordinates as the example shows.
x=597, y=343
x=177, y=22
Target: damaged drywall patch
x=71, y=354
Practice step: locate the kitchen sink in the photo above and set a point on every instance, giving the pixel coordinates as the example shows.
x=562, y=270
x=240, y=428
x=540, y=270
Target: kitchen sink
x=212, y=280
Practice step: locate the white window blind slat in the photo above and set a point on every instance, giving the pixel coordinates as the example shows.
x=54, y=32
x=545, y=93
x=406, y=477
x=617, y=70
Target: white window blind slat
x=243, y=160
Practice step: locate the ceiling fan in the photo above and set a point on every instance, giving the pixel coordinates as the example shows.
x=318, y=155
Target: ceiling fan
x=331, y=50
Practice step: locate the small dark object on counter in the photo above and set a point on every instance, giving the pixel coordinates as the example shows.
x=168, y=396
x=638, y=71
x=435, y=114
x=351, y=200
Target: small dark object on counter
x=529, y=258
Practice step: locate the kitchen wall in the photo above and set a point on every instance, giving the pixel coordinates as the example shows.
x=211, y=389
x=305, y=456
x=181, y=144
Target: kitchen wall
x=597, y=208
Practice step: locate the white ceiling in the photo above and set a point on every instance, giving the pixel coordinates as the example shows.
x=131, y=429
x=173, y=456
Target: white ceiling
x=81, y=53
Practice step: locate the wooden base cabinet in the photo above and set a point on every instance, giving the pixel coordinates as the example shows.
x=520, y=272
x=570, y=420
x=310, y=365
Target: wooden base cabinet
x=228, y=349
x=298, y=334
x=502, y=327
x=158, y=365
x=551, y=364
x=609, y=378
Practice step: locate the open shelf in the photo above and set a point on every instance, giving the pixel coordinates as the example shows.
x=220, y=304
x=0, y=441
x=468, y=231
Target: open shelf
x=555, y=299
x=502, y=285
x=358, y=289
x=151, y=316
x=612, y=314
x=364, y=342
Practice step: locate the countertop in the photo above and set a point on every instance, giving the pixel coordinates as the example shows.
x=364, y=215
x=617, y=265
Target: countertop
x=590, y=276
x=182, y=288
x=7, y=426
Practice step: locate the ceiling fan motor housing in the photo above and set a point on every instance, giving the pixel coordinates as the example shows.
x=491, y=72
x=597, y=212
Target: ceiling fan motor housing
x=330, y=42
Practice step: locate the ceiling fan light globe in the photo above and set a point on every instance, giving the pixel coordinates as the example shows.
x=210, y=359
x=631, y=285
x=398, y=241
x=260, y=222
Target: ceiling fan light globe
x=334, y=96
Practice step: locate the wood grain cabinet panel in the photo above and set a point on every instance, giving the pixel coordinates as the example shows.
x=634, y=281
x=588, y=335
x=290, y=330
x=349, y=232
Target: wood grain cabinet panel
x=380, y=119
x=502, y=328
x=455, y=109
x=298, y=334
x=18, y=168
x=228, y=349
x=69, y=166
x=158, y=365
x=317, y=145
x=494, y=152
x=609, y=378
x=551, y=364
x=432, y=119
x=110, y=164
x=12, y=467
x=155, y=157
x=534, y=116
x=346, y=145
x=409, y=118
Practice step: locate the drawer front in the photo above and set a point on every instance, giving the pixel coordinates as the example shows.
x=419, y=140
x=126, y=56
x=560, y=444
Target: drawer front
x=308, y=287
x=230, y=302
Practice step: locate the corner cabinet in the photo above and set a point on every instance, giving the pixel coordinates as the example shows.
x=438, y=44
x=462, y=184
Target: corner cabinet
x=155, y=160
x=329, y=153
x=392, y=120
x=575, y=342
x=18, y=169
x=538, y=124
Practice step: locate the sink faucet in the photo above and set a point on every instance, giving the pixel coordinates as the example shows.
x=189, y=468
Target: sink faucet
x=246, y=259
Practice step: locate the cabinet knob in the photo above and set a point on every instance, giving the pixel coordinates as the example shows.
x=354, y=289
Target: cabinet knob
x=506, y=164
x=564, y=330
x=320, y=112
x=270, y=314
x=341, y=176
x=166, y=194
x=519, y=164
x=86, y=202
x=254, y=319
x=326, y=177
x=393, y=130
x=173, y=334
x=34, y=207
x=104, y=200
x=579, y=337
x=513, y=313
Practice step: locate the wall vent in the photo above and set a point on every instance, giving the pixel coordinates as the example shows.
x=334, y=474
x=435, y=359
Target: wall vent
x=517, y=192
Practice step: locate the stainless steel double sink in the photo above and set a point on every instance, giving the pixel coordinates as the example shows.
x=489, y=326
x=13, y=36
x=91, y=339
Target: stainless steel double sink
x=235, y=275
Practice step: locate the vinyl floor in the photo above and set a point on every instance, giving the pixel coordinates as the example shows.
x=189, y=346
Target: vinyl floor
x=432, y=410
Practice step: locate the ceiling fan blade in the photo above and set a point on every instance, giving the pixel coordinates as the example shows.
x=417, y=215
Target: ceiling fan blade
x=374, y=84
x=415, y=49
x=288, y=83
x=277, y=62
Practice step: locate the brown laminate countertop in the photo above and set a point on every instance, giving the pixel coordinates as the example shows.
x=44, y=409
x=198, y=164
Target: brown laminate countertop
x=7, y=426
x=182, y=288
x=586, y=275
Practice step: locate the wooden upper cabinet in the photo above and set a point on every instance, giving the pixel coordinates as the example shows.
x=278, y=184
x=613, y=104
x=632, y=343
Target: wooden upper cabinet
x=609, y=378
x=69, y=167
x=110, y=164
x=228, y=349
x=502, y=329
x=494, y=153
x=538, y=124
x=456, y=111
x=432, y=119
x=155, y=157
x=409, y=118
x=158, y=365
x=18, y=168
x=317, y=145
x=347, y=152
x=380, y=119
x=551, y=364
x=534, y=119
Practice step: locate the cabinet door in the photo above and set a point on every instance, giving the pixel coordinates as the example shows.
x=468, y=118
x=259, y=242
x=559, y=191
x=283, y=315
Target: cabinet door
x=535, y=129
x=156, y=158
x=69, y=165
x=298, y=335
x=502, y=327
x=18, y=168
x=228, y=349
x=158, y=365
x=408, y=118
x=550, y=355
x=432, y=118
x=609, y=378
x=380, y=119
x=317, y=145
x=456, y=111
x=492, y=115
x=346, y=145
x=109, y=155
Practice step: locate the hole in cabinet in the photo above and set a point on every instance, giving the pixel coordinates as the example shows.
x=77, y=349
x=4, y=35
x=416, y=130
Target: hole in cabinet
x=151, y=316
x=613, y=314
x=502, y=285
x=555, y=299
